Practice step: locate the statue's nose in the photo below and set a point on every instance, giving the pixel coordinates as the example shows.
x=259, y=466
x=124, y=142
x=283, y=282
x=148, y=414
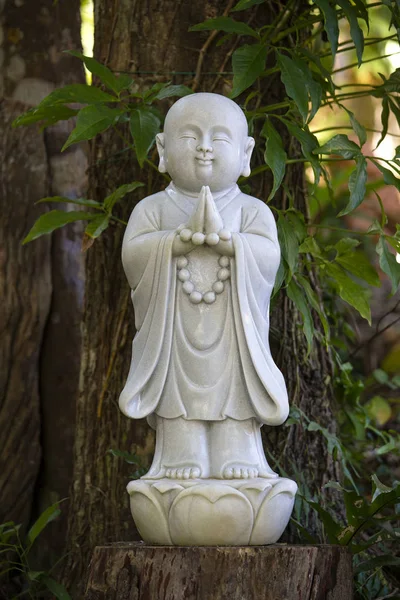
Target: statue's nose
x=204, y=146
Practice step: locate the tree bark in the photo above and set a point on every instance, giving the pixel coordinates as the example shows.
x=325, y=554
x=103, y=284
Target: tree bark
x=139, y=572
x=26, y=286
x=45, y=315
x=151, y=40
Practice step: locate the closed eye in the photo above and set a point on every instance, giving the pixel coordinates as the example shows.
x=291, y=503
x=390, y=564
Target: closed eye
x=187, y=137
x=221, y=139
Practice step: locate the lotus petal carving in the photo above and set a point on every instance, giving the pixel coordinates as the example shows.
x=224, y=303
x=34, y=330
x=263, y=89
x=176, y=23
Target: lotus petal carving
x=212, y=512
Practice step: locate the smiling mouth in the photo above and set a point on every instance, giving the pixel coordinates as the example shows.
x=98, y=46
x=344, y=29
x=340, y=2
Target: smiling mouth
x=204, y=161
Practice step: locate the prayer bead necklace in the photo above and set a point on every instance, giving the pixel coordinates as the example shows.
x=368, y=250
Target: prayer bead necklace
x=184, y=275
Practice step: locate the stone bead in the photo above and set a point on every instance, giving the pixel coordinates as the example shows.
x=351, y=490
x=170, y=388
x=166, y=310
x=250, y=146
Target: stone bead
x=225, y=235
x=209, y=297
x=182, y=262
x=224, y=261
x=181, y=227
x=186, y=235
x=183, y=275
x=196, y=297
x=223, y=274
x=188, y=287
x=212, y=239
x=218, y=287
x=198, y=238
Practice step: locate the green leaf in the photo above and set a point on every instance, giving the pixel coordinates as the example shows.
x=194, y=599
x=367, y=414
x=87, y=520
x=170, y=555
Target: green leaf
x=297, y=222
x=394, y=242
x=77, y=92
x=379, y=488
x=332, y=528
x=274, y=155
x=144, y=126
x=55, y=588
x=351, y=292
x=362, y=11
x=331, y=23
x=226, y=24
x=339, y=144
x=389, y=447
x=296, y=294
x=315, y=303
x=78, y=201
x=384, y=119
x=313, y=87
x=379, y=410
x=35, y=575
x=310, y=246
x=355, y=30
x=92, y=120
x=357, y=185
x=51, y=513
x=309, y=143
x=97, y=225
x=131, y=459
x=358, y=264
x=381, y=376
x=114, y=83
x=54, y=220
x=293, y=79
x=397, y=153
x=248, y=63
x=173, y=90
x=245, y=4
x=358, y=129
x=388, y=263
x=48, y=114
x=388, y=176
x=120, y=193
x=383, y=560
x=288, y=242
x=346, y=245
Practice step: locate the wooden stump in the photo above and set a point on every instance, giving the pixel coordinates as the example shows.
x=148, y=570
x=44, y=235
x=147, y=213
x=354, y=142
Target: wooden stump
x=135, y=571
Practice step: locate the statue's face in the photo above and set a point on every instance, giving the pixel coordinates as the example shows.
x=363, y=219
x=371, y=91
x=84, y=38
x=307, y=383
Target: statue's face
x=205, y=142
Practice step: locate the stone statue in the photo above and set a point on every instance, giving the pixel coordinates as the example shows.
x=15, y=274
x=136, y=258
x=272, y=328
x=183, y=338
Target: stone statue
x=201, y=259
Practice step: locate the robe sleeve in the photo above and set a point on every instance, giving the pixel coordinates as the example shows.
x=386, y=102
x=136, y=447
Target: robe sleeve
x=149, y=266
x=257, y=257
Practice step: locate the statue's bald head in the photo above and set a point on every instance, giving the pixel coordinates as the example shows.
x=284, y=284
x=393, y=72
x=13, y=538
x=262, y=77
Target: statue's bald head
x=214, y=105
x=205, y=142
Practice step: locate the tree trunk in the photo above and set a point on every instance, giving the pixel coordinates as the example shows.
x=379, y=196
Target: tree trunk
x=26, y=285
x=152, y=41
x=45, y=306
x=139, y=572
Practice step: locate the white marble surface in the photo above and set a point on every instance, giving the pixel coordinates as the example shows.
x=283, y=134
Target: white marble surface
x=201, y=258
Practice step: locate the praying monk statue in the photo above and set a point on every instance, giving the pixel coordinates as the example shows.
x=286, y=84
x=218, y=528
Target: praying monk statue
x=201, y=259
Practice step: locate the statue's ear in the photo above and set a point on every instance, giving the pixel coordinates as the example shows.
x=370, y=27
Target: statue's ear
x=161, y=152
x=248, y=150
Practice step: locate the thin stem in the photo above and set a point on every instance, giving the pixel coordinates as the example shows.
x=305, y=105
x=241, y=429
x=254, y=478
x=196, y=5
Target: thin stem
x=367, y=42
x=345, y=97
x=113, y=218
x=348, y=127
x=352, y=65
x=342, y=229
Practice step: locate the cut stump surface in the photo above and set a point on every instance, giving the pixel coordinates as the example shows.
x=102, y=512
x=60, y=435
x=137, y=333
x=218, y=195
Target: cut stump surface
x=135, y=571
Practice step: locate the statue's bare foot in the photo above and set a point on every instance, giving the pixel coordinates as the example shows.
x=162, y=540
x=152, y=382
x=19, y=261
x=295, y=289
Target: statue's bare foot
x=183, y=473
x=237, y=471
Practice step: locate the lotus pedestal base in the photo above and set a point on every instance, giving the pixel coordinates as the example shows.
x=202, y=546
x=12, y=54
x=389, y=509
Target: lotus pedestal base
x=212, y=512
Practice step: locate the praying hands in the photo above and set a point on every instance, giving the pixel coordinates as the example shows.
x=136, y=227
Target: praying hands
x=205, y=226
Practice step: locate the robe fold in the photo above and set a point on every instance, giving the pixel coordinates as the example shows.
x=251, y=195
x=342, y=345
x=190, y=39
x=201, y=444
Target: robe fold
x=202, y=361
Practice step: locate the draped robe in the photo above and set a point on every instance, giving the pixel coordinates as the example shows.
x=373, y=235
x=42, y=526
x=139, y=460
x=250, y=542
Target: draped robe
x=202, y=361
